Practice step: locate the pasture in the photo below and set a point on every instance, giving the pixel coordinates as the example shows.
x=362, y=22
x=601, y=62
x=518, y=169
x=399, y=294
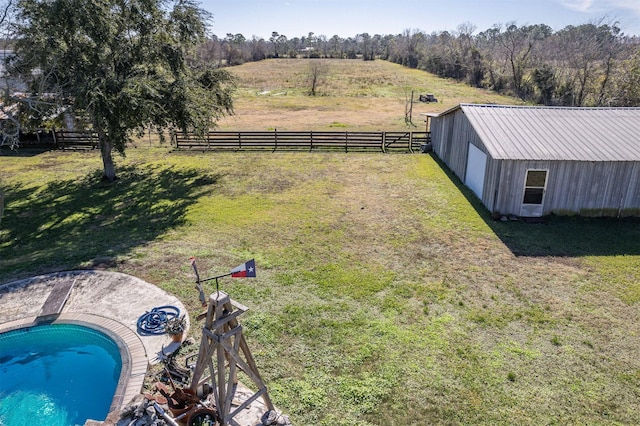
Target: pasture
x=353, y=95
x=385, y=293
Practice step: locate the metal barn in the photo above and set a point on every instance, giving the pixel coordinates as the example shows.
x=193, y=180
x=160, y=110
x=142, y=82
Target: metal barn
x=534, y=161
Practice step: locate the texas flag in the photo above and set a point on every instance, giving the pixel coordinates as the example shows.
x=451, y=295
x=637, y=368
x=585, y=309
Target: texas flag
x=246, y=270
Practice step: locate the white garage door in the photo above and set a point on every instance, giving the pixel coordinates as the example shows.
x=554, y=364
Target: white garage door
x=476, y=164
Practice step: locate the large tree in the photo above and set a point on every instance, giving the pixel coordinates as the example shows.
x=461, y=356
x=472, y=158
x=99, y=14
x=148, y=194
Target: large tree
x=119, y=66
x=5, y=12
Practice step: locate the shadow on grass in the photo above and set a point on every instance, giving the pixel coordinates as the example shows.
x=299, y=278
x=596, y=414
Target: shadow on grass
x=570, y=236
x=86, y=223
x=5, y=151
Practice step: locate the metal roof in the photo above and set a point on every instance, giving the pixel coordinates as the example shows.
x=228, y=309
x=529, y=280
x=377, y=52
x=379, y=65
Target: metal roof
x=556, y=133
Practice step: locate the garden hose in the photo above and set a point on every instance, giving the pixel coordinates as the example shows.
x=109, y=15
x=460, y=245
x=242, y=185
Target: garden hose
x=153, y=322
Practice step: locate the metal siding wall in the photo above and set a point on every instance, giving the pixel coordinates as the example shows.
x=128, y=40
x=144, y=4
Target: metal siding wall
x=436, y=134
x=564, y=182
x=501, y=202
x=574, y=187
x=442, y=138
x=603, y=187
x=451, y=134
x=511, y=184
x=632, y=197
x=459, y=145
x=616, y=186
x=448, y=140
x=491, y=183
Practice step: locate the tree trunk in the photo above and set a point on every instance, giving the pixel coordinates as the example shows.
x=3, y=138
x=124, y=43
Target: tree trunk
x=106, y=149
x=314, y=80
x=605, y=80
x=1, y=204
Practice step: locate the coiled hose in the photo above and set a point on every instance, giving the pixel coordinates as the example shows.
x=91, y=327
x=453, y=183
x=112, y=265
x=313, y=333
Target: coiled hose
x=152, y=323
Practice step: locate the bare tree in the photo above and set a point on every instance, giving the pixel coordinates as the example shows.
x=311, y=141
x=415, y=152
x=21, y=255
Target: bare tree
x=211, y=51
x=408, y=103
x=410, y=42
x=518, y=45
x=258, y=48
x=611, y=48
x=490, y=47
x=589, y=51
x=317, y=72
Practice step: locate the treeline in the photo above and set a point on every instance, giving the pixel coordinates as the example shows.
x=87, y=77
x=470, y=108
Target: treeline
x=587, y=65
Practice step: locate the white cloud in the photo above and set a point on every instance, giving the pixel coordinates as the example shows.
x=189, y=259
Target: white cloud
x=578, y=5
x=588, y=6
x=624, y=13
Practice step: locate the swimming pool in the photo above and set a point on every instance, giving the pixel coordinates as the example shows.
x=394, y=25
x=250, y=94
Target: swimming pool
x=58, y=375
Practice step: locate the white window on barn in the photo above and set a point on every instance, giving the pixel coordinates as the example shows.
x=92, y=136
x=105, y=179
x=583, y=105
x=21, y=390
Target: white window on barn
x=534, y=189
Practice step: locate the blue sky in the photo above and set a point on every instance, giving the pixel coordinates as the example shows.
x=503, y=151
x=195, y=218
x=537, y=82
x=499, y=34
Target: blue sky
x=346, y=18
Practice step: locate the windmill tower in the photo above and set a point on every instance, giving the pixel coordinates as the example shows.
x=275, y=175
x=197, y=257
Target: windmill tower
x=224, y=351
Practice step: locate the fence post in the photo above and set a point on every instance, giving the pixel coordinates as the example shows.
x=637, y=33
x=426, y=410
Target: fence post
x=55, y=139
x=239, y=141
x=275, y=140
x=346, y=141
x=383, y=141
x=411, y=142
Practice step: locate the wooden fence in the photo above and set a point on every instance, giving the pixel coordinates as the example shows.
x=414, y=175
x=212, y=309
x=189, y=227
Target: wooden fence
x=70, y=139
x=271, y=141
x=306, y=140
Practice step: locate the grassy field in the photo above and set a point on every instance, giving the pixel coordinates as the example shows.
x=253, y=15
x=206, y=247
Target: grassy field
x=385, y=294
x=354, y=95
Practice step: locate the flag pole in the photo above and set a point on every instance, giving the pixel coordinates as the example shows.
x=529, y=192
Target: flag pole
x=217, y=285
x=215, y=278
x=238, y=270
x=203, y=299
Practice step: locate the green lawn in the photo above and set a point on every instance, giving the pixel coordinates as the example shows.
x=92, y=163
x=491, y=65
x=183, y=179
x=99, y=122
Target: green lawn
x=385, y=295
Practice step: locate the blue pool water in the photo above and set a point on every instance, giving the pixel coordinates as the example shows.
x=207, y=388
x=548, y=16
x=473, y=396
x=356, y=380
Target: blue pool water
x=56, y=375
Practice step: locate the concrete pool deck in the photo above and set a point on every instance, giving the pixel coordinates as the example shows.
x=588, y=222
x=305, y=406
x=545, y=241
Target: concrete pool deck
x=111, y=302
